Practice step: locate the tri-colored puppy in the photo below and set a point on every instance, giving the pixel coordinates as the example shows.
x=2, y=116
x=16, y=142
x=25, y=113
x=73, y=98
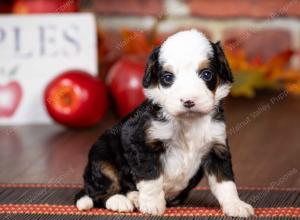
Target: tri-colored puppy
x=158, y=153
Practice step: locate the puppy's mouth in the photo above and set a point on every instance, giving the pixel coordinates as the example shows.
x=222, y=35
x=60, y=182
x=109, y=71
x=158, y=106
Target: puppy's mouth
x=189, y=114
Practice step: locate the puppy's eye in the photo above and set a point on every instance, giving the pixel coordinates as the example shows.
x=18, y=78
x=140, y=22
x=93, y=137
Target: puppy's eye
x=167, y=79
x=206, y=74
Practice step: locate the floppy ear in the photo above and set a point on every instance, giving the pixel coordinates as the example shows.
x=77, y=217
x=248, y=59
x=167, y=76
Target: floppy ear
x=152, y=68
x=224, y=69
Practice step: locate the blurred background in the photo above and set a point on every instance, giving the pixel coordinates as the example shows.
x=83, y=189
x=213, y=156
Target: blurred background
x=69, y=69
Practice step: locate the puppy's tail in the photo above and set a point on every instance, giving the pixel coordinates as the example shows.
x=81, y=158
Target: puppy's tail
x=83, y=201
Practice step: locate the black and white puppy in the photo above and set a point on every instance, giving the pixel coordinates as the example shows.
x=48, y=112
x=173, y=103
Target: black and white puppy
x=158, y=153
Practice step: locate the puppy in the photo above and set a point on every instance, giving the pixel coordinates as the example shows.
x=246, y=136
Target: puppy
x=157, y=154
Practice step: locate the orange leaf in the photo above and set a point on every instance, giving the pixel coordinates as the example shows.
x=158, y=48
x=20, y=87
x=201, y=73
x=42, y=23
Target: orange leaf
x=281, y=60
x=256, y=61
x=293, y=87
x=236, y=58
x=291, y=75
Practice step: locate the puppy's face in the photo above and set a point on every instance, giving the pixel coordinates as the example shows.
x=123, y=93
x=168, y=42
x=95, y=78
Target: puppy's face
x=187, y=75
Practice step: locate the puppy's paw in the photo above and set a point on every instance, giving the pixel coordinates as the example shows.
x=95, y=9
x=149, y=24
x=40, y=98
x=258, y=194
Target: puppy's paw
x=237, y=208
x=152, y=206
x=119, y=203
x=84, y=203
x=133, y=196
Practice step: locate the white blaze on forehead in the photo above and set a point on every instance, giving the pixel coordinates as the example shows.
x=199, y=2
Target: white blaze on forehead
x=185, y=48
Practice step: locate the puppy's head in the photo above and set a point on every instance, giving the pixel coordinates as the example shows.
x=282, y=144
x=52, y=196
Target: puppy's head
x=187, y=75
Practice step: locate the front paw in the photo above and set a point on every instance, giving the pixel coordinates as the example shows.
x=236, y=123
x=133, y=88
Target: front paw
x=237, y=208
x=152, y=206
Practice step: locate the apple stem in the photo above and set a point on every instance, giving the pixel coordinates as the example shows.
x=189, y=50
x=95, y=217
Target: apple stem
x=14, y=70
x=6, y=76
x=67, y=99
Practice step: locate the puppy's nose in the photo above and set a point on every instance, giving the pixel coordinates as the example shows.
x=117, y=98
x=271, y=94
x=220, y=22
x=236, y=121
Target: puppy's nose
x=188, y=103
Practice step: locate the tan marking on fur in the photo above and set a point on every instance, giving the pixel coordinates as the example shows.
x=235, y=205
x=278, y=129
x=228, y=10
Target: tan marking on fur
x=203, y=64
x=153, y=143
x=147, y=136
x=220, y=149
x=168, y=68
x=110, y=172
x=149, y=141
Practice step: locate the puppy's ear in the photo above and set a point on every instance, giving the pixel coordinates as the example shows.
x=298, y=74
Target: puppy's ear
x=223, y=66
x=152, y=68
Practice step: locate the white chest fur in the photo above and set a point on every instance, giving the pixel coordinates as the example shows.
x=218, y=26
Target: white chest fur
x=188, y=142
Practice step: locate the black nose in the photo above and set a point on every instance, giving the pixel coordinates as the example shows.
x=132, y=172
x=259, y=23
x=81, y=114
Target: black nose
x=188, y=104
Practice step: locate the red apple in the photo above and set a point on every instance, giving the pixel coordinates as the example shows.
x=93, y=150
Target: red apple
x=10, y=97
x=76, y=99
x=44, y=6
x=6, y=6
x=125, y=84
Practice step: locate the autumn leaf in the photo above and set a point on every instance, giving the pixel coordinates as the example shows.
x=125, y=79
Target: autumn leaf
x=293, y=87
x=253, y=74
x=257, y=61
x=236, y=59
x=281, y=60
x=246, y=83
